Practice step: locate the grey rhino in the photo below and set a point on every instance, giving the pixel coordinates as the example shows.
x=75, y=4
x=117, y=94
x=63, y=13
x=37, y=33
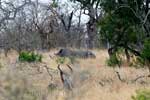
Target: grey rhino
x=75, y=53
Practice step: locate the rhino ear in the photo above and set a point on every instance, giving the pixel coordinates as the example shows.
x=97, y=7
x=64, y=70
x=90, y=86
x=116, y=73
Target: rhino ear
x=61, y=50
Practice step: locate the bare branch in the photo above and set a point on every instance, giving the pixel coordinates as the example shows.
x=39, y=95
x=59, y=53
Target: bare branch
x=146, y=17
x=11, y=14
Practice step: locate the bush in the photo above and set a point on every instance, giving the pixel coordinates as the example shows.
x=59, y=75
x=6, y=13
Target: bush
x=142, y=95
x=113, y=61
x=144, y=59
x=146, y=51
x=30, y=57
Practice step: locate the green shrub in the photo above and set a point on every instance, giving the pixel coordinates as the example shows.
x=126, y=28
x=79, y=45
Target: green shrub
x=144, y=59
x=54, y=5
x=113, y=61
x=142, y=95
x=60, y=60
x=146, y=51
x=140, y=62
x=30, y=57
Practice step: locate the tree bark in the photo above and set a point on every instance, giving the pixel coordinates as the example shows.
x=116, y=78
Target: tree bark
x=127, y=55
x=92, y=31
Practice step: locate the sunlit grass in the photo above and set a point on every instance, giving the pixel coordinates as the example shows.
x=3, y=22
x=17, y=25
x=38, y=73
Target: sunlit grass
x=89, y=74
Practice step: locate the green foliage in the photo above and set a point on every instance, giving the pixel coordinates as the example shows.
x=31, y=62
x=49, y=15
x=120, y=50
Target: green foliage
x=142, y=95
x=118, y=30
x=121, y=26
x=113, y=61
x=60, y=60
x=138, y=63
x=54, y=5
x=30, y=57
x=146, y=50
x=108, y=5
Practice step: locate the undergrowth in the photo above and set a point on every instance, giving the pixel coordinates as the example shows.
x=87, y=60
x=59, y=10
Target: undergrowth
x=142, y=95
x=30, y=57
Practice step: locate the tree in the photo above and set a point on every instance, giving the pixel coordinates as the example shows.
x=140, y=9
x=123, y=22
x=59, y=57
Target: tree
x=70, y=30
x=123, y=25
x=37, y=25
x=94, y=13
x=9, y=10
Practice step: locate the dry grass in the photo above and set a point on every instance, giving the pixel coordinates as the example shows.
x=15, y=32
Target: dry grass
x=93, y=79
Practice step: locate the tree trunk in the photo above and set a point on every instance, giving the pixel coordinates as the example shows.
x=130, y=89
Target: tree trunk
x=127, y=55
x=92, y=31
x=43, y=37
x=91, y=27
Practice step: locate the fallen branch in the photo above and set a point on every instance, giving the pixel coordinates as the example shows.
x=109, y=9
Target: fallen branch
x=70, y=67
x=140, y=77
x=119, y=76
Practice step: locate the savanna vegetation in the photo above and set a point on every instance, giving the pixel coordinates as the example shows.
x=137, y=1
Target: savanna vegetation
x=74, y=49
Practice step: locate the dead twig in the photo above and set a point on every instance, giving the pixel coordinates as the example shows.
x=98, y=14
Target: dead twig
x=140, y=77
x=101, y=83
x=70, y=67
x=119, y=76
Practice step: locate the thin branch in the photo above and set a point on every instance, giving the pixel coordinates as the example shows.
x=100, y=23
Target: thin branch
x=14, y=11
x=146, y=17
x=70, y=67
x=126, y=6
x=140, y=77
x=119, y=76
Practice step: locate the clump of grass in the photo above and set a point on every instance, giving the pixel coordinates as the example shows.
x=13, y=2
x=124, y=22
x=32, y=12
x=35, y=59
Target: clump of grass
x=146, y=53
x=146, y=50
x=72, y=60
x=61, y=60
x=17, y=88
x=113, y=61
x=65, y=60
x=144, y=59
x=1, y=66
x=30, y=57
x=52, y=87
x=142, y=95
